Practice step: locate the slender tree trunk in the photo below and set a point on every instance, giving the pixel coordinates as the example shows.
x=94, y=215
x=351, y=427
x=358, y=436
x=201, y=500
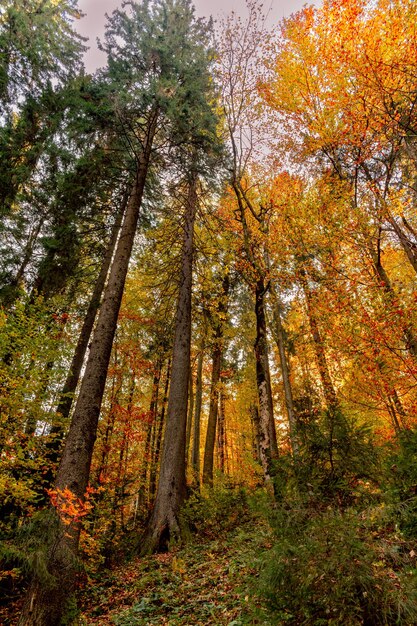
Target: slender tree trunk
x=213, y=410
x=190, y=414
x=409, y=247
x=68, y=390
x=12, y=292
x=410, y=229
x=144, y=483
x=278, y=333
x=158, y=439
x=120, y=482
x=326, y=381
x=221, y=440
x=267, y=434
x=256, y=435
x=399, y=408
x=409, y=339
x=268, y=447
x=163, y=525
x=217, y=355
x=393, y=402
x=197, y=415
x=45, y=603
x=106, y=444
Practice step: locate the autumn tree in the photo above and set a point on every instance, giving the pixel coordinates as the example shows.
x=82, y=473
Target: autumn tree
x=158, y=91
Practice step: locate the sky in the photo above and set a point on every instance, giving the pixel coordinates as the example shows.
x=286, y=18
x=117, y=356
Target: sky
x=92, y=25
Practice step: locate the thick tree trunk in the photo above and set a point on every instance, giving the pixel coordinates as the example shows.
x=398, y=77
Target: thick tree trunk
x=164, y=525
x=45, y=604
x=65, y=401
x=268, y=447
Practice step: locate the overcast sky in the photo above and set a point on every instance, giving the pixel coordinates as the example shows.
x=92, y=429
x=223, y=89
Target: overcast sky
x=92, y=25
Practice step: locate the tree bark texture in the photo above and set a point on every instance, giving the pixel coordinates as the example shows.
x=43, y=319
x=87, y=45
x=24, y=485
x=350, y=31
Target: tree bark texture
x=74, y=469
x=285, y=372
x=254, y=418
x=190, y=414
x=268, y=447
x=67, y=394
x=70, y=385
x=164, y=525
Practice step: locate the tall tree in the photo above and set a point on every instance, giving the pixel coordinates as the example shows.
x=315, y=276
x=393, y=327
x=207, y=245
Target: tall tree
x=196, y=153
x=218, y=321
x=152, y=28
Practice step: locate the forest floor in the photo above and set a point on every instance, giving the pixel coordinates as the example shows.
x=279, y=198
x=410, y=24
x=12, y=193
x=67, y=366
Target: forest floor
x=209, y=581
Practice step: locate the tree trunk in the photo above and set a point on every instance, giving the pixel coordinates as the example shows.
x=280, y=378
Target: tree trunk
x=45, y=603
x=67, y=394
x=268, y=447
x=409, y=339
x=217, y=355
x=326, y=381
x=256, y=435
x=164, y=525
x=197, y=415
x=158, y=439
x=409, y=247
x=393, y=402
x=213, y=410
x=70, y=385
x=278, y=333
x=221, y=439
x=144, y=484
x=11, y=292
x=190, y=414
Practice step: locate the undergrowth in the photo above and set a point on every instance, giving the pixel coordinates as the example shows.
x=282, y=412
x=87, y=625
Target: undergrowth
x=344, y=550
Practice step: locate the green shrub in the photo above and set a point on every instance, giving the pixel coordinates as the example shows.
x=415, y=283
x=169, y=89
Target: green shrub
x=337, y=457
x=214, y=510
x=337, y=568
x=401, y=482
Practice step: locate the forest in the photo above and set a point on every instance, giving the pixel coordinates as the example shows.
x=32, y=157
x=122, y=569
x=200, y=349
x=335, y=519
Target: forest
x=208, y=320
